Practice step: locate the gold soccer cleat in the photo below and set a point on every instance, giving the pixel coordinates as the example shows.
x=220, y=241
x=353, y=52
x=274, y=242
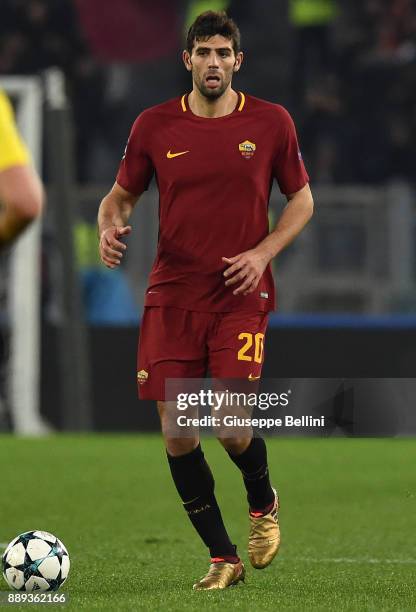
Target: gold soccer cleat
x=221, y=575
x=264, y=537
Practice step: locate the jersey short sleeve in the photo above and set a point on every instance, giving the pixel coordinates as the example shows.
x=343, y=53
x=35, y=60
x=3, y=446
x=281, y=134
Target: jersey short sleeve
x=136, y=168
x=288, y=166
x=13, y=151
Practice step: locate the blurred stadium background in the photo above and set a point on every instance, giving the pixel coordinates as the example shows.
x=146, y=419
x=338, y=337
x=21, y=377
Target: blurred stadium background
x=79, y=72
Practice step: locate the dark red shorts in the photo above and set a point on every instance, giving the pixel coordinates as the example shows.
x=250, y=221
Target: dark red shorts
x=177, y=343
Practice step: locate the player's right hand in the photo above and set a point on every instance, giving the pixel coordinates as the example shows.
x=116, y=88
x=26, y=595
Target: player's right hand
x=111, y=247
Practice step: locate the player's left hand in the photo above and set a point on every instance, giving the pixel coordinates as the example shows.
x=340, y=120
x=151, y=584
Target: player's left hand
x=247, y=267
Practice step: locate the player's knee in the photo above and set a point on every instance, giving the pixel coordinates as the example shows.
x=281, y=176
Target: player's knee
x=180, y=446
x=235, y=445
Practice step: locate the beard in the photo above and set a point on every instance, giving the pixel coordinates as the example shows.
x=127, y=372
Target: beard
x=212, y=94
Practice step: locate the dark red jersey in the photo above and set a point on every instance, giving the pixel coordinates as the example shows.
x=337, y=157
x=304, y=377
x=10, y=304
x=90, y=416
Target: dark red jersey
x=214, y=178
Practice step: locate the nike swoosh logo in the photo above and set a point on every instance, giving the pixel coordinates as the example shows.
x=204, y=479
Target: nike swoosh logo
x=251, y=377
x=170, y=155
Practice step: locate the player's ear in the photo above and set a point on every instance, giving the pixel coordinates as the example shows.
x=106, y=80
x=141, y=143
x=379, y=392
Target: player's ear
x=187, y=60
x=238, y=61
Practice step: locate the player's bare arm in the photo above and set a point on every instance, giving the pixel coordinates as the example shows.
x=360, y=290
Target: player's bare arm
x=21, y=201
x=249, y=266
x=113, y=215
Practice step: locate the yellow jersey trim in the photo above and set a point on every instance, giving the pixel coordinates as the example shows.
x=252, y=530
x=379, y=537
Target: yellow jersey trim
x=240, y=106
x=13, y=151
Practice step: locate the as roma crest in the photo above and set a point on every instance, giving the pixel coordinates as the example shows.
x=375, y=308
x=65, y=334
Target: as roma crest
x=142, y=376
x=247, y=149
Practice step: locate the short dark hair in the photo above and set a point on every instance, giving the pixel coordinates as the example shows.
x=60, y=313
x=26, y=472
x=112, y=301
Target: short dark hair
x=211, y=23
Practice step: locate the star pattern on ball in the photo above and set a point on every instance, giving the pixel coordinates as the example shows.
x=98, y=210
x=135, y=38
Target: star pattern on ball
x=35, y=560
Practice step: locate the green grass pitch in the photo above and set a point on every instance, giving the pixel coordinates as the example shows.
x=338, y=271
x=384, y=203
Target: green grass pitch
x=348, y=519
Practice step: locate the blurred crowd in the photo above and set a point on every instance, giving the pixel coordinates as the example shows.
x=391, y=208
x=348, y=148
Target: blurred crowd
x=38, y=34
x=357, y=90
x=345, y=68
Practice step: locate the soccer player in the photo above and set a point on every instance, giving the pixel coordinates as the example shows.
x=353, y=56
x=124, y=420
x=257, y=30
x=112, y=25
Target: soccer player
x=215, y=153
x=21, y=193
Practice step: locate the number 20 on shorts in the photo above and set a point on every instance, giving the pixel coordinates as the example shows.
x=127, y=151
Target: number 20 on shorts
x=246, y=352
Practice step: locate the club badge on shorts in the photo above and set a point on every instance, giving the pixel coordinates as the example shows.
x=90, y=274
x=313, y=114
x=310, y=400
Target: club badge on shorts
x=142, y=376
x=247, y=149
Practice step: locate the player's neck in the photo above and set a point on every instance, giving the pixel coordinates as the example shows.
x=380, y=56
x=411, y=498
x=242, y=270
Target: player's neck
x=220, y=107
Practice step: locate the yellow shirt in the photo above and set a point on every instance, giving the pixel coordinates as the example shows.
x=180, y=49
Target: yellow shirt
x=13, y=151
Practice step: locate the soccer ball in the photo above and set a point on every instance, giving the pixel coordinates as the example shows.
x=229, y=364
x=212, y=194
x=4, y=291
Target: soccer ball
x=35, y=561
